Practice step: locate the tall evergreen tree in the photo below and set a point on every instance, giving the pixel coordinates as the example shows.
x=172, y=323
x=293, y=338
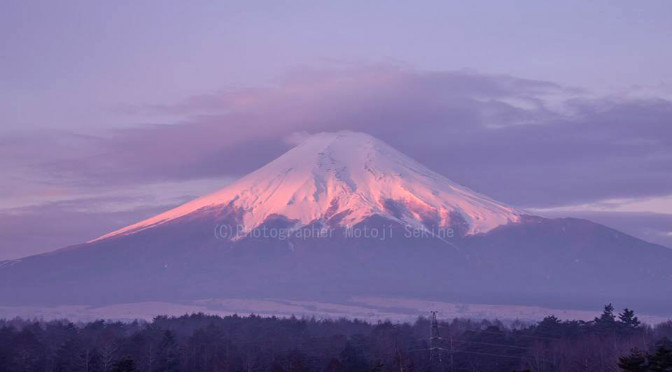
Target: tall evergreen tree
x=628, y=318
x=606, y=322
x=635, y=362
x=607, y=316
x=661, y=359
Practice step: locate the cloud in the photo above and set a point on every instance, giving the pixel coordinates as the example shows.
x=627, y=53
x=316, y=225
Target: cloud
x=661, y=204
x=48, y=219
x=652, y=227
x=31, y=230
x=526, y=142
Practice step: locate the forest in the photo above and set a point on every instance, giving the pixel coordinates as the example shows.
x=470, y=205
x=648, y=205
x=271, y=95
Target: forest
x=614, y=341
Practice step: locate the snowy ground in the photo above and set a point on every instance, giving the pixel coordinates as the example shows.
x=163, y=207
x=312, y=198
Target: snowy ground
x=365, y=308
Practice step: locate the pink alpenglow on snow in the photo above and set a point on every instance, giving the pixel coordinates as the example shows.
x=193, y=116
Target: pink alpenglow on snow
x=351, y=175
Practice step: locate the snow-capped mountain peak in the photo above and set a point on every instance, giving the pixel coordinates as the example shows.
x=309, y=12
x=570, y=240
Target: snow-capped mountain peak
x=350, y=175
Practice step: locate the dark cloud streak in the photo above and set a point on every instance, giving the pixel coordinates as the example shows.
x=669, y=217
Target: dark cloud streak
x=496, y=134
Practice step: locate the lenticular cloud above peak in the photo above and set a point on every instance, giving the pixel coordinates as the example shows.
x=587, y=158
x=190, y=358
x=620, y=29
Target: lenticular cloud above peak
x=341, y=179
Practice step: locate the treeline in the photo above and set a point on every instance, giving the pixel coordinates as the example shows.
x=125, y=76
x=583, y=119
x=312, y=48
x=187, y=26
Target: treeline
x=198, y=342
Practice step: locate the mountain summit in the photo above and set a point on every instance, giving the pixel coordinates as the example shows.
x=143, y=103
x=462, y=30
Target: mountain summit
x=341, y=179
x=349, y=181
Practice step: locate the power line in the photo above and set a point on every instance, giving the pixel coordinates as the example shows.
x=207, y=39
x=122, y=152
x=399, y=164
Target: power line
x=515, y=335
x=494, y=344
x=499, y=355
x=436, y=348
x=521, y=357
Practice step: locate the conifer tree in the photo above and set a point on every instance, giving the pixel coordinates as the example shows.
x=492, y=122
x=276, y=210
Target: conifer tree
x=607, y=316
x=661, y=359
x=635, y=362
x=628, y=318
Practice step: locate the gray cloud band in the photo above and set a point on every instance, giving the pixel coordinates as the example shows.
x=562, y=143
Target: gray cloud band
x=528, y=143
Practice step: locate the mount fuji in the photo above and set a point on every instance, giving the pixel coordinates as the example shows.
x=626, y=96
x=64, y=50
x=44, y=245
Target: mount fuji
x=343, y=215
x=342, y=179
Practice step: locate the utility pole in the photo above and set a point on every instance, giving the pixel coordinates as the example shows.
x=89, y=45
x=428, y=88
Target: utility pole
x=452, y=364
x=434, y=340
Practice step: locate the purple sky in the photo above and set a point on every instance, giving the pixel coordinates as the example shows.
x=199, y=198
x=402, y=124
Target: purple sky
x=113, y=111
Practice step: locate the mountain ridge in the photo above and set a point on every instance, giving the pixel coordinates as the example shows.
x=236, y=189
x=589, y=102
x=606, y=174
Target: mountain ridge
x=520, y=259
x=351, y=175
